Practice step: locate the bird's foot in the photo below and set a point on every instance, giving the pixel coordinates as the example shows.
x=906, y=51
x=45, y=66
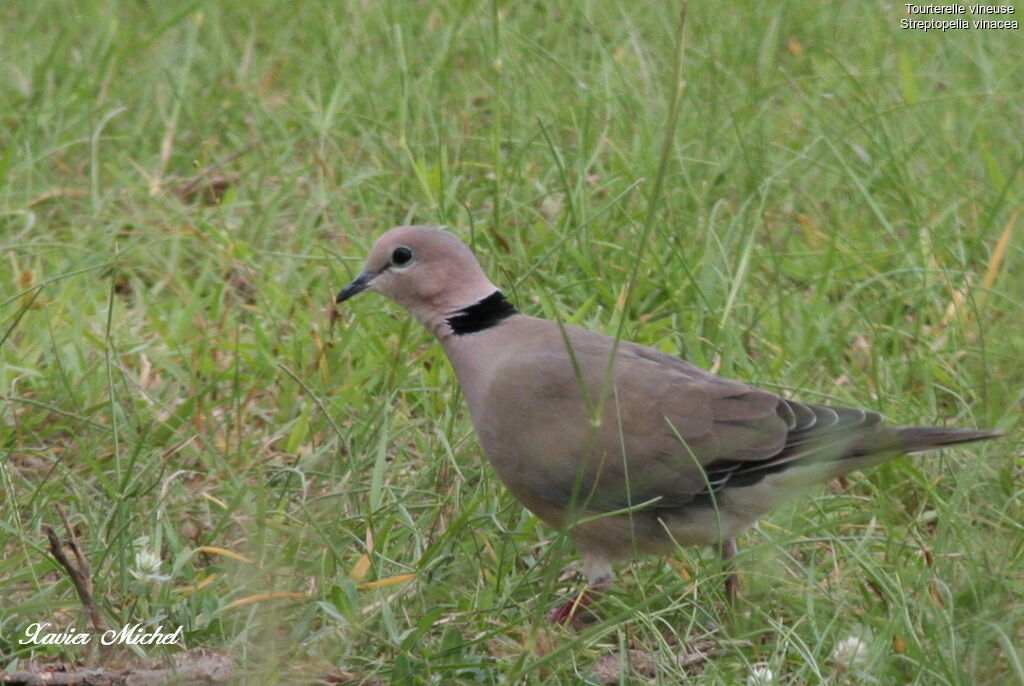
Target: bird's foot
x=573, y=610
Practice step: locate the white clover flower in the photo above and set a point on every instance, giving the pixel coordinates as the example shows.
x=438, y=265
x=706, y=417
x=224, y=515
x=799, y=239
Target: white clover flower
x=761, y=675
x=850, y=653
x=147, y=566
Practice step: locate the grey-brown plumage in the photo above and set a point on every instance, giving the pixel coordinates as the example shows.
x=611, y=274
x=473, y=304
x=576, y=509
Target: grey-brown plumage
x=637, y=454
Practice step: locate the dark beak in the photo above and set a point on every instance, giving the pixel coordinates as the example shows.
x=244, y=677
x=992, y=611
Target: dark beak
x=360, y=284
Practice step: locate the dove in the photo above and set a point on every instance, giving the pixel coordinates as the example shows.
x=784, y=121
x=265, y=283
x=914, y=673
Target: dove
x=627, y=449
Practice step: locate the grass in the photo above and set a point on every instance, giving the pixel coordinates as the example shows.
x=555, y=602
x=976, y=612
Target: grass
x=175, y=376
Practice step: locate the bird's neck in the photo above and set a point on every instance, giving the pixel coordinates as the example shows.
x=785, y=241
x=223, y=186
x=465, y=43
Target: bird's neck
x=476, y=314
x=481, y=315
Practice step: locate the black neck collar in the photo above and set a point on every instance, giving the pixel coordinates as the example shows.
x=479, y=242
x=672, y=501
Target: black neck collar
x=481, y=315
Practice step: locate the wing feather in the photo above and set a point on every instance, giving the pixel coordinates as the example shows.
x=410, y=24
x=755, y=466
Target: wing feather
x=669, y=432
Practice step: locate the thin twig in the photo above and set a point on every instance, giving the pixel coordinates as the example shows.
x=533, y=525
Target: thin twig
x=83, y=562
x=79, y=574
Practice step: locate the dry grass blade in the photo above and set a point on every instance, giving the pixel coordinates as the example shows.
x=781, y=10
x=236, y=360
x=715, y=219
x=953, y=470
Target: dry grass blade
x=995, y=263
x=261, y=597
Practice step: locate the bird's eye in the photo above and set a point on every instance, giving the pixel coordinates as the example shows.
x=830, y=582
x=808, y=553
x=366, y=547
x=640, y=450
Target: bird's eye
x=401, y=256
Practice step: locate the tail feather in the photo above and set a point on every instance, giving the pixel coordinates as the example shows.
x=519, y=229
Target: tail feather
x=914, y=439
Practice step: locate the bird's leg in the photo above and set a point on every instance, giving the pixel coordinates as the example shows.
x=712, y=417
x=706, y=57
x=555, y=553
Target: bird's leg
x=599, y=578
x=728, y=550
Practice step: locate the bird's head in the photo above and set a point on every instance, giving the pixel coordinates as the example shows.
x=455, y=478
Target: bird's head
x=427, y=270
